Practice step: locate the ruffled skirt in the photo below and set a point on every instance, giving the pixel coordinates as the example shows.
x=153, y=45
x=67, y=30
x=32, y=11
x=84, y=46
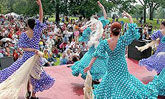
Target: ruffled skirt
x=153, y=63
x=17, y=76
x=97, y=71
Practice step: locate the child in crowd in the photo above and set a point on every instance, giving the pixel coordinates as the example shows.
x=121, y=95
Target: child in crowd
x=63, y=60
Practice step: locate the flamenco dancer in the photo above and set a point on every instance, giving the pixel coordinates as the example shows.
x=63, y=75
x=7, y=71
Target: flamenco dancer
x=29, y=42
x=92, y=34
x=118, y=83
x=153, y=62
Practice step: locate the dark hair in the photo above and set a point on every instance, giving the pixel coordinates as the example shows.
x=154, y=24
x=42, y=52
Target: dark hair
x=163, y=23
x=116, y=28
x=31, y=23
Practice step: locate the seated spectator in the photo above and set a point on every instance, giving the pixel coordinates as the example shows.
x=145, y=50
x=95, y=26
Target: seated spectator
x=83, y=47
x=15, y=55
x=46, y=54
x=41, y=44
x=1, y=55
x=45, y=62
x=63, y=60
x=8, y=52
x=70, y=61
x=55, y=52
x=52, y=59
x=69, y=54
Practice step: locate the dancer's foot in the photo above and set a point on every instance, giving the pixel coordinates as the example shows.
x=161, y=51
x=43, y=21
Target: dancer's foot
x=34, y=98
x=95, y=82
x=28, y=95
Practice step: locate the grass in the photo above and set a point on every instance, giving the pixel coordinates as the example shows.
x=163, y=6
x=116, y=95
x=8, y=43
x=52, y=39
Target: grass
x=52, y=19
x=125, y=20
x=58, y=61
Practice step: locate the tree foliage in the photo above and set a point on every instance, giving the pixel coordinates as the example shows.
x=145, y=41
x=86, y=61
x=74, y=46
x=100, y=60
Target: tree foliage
x=84, y=8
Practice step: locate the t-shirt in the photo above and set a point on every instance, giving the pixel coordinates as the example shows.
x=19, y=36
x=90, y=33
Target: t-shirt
x=150, y=28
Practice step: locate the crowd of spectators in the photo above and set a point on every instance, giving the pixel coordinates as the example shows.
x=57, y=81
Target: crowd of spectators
x=59, y=43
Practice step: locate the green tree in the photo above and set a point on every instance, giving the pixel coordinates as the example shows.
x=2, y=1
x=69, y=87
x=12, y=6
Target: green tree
x=138, y=13
x=20, y=7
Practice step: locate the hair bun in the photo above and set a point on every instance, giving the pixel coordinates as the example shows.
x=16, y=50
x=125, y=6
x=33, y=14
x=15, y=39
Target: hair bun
x=116, y=28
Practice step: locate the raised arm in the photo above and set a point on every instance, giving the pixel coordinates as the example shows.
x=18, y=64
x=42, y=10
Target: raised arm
x=132, y=33
x=29, y=49
x=125, y=14
x=103, y=9
x=40, y=10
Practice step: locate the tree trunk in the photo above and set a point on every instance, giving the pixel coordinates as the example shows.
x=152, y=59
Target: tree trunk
x=144, y=15
x=57, y=11
x=151, y=12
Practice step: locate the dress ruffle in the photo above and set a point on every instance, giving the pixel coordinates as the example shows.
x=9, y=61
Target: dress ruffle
x=132, y=27
x=44, y=83
x=104, y=21
x=85, y=35
x=122, y=89
x=97, y=71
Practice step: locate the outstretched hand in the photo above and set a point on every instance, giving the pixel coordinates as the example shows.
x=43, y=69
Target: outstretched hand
x=36, y=52
x=38, y=2
x=100, y=5
x=141, y=49
x=125, y=14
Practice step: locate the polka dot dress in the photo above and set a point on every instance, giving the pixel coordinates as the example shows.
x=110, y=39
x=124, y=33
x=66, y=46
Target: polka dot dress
x=25, y=42
x=99, y=66
x=118, y=83
x=154, y=62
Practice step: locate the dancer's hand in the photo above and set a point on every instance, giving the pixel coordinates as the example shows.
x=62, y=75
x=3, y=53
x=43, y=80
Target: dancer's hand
x=141, y=49
x=125, y=14
x=39, y=2
x=100, y=5
x=87, y=69
x=36, y=52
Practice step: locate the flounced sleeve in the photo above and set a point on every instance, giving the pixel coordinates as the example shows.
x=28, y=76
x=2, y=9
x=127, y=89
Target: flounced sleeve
x=155, y=35
x=39, y=27
x=131, y=34
x=100, y=50
x=104, y=21
x=22, y=43
x=85, y=35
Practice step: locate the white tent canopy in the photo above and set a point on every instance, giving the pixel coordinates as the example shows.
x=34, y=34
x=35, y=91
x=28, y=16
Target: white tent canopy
x=12, y=14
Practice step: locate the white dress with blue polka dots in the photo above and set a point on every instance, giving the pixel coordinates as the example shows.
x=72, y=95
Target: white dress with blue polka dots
x=45, y=81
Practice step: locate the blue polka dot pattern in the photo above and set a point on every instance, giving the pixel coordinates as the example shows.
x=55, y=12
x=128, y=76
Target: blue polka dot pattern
x=25, y=42
x=118, y=83
x=154, y=62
